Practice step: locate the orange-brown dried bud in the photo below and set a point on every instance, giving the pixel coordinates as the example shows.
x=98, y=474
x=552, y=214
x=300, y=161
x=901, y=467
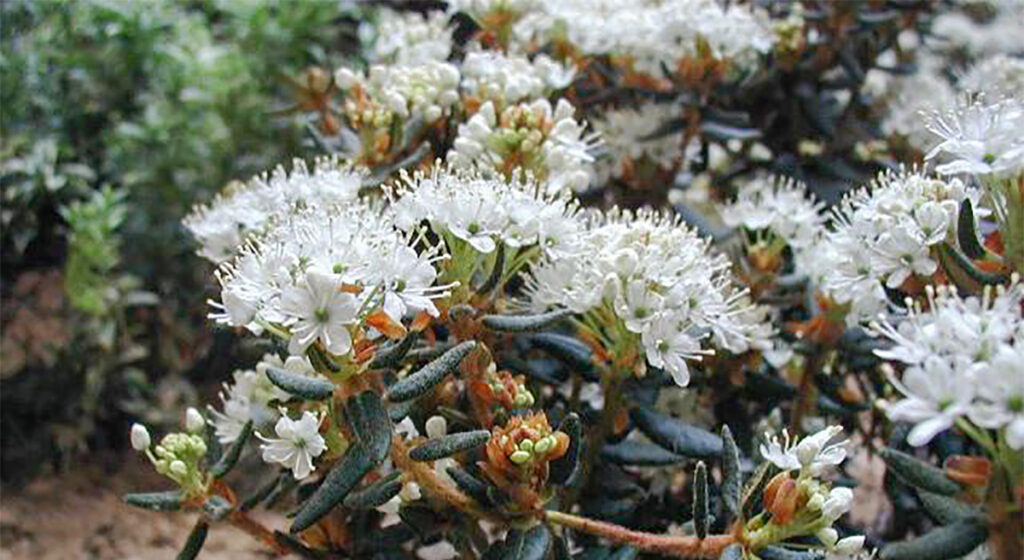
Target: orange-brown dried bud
x=969, y=471
x=519, y=452
x=784, y=501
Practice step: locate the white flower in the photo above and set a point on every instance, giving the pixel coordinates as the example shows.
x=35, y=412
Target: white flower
x=1001, y=394
x=483, y=211
x=999, y=74
x=222, y=226
x=657, y=278
x=899, y=254
x=140, y=437
x=937, y=393
x=249, y=397
x=963, y=355
x=669, y=348
x=411, y=37
x=317, y=309
x=882, y=235
x=812, y=455
x=297, y=443
x=652, y=35
x=981, y=138
x=780, y=205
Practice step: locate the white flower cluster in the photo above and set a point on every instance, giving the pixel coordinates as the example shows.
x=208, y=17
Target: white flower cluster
x=624, y=135
x=653, y=34
x=251, y=395
x=780, y=206
x=1000, y=74
x=409, y=38
x=534, y=138
x=883, y=236
x=507, y=78
x=223, y=225
x=812, y=457
x=317, y=275
x=424, y=90
x=657, y=280
x=981, y=138
x=482, y=211
x=998, y=34
x=965, y=357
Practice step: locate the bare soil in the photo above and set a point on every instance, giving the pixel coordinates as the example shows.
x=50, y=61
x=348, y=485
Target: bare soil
x=80, y=515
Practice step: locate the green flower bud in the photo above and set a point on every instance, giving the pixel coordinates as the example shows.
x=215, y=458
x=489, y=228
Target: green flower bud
x=520, y=457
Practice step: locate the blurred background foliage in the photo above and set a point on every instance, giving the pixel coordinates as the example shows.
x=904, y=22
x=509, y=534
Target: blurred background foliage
x=117, y=117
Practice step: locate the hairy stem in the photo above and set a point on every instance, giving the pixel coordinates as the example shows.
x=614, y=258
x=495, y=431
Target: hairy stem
x=424, y=475
x=255, y=529
x=667, y=545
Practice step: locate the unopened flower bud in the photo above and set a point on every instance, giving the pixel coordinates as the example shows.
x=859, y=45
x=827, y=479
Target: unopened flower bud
x=436, y=426
x=849, y=546
x=140, y=437
x=520, y=457
x=178, y=468
x=194, y=421
x=828, y=536
x=838, y=503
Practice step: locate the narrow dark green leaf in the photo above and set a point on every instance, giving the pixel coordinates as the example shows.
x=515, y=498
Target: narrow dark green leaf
x=779, y=553
x=675, y=435
x=427, y=353
x=376, y=494
x=471, y=485
x=156, y=501
x=524, y=323
x=942, y=543
x=723, y=132
x=918, y=473
x=446, y=446
x=195, y=541
x=345, y=475
x=302, y=386
x=569, y=350
x=398, y=411
x=963, y=272
x=230, y=457
x=944, y=509
x=370, y=424
x=966, y=233
x=639, y=453
x=732, y=552
x=701, y=512
x=496, y=271
x=732, y=478
x=216, y=508
x=430, y=375
x=517, y=545
x=391, y=355
x=876, y=18
x=563, y=471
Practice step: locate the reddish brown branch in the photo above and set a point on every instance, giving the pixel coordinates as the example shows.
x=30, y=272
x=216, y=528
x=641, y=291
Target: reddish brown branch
x=678, y=547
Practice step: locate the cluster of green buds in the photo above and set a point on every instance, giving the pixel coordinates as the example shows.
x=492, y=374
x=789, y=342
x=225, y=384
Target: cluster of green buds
x=178, y=456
